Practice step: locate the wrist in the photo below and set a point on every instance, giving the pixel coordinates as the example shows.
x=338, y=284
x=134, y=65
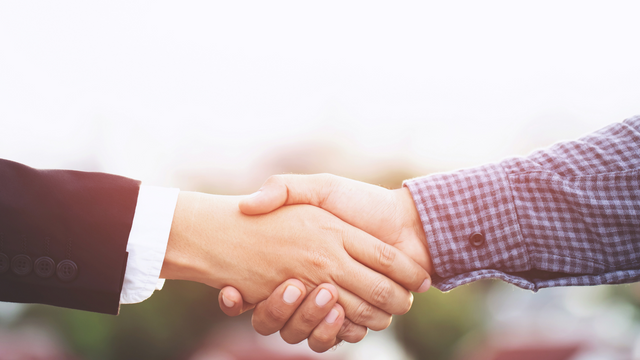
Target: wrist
x=181, y=261
x=414, y=224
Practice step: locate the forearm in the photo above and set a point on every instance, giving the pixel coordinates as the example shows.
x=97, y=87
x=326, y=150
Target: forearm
x=195, y=240
x=566, y=215
x=211, y=242
x=78, y=223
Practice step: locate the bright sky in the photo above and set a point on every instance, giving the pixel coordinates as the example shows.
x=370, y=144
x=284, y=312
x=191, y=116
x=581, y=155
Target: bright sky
x=151, y=89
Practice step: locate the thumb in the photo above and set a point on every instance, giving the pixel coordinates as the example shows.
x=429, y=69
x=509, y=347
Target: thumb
x=281, y=190
x=231, y=302
x=270, y=197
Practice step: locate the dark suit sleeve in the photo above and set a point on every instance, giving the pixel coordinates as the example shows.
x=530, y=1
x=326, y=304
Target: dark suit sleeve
x=63, y=236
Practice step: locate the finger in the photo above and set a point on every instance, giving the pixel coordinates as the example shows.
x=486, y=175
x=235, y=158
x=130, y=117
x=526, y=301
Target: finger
x=386, y=260
x=317, y=190
x=272, y=314
x=324, y=336
x=311, y=313
x=231, y=302
x=361, y=312
x=351, y=332
x=270, y=197
x=373, y=287
x=281, y=190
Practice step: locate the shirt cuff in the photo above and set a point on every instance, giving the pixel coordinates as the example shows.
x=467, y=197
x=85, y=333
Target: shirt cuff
x=453, y=207
x=148, y=242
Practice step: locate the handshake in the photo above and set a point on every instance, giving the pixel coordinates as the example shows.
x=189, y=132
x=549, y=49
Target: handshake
x=356, y=249
x=323, y=257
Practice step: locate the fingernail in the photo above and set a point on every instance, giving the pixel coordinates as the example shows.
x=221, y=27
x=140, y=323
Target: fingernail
x=331, y=316
x=323, y=297
x=291, y=294
x=227, y=302
x=425, y=286
x=254, y=194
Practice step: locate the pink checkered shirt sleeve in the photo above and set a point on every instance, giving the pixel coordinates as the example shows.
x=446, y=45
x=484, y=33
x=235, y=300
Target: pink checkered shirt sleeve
x=565, y=215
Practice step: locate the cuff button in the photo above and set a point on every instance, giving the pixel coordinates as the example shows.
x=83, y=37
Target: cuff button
x=476, y=239
x=5, y=263
x=21, y=265
x=45, y=267
x=67, y=270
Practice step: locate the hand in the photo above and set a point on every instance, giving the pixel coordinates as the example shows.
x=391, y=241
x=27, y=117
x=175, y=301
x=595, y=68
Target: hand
x=316, y=317
x=389, y=215
x=213, y=243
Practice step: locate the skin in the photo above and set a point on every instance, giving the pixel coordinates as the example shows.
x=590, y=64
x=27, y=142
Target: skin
x=389, y=215
x=302, y=319
x=212, y=242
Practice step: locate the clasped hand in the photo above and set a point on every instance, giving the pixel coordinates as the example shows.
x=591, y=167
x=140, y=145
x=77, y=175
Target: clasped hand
x=355, y=248
x=388, y=215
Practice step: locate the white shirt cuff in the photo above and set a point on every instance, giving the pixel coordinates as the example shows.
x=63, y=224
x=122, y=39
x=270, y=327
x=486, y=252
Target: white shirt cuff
x=148, y=242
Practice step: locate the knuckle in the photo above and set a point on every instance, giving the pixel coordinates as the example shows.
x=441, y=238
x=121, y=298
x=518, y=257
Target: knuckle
x=263, y=332
x=382, y=326
x=315, y=347
x=386, y=255
x=260, y=327
x=351, y=333
x=406, y=305
x=319, y=260
x=318, y=346
x=325, y=186
x=323, y=339
x=276, y=314
x=307, y=319
x=381, y=293
x=274, y=179
x=363, y=313
x=418, y=277
x=290, y=338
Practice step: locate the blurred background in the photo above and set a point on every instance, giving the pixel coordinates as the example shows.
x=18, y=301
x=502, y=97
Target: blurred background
x=216, y=96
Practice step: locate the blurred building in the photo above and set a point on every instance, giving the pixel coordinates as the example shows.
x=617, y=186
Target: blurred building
x=240, y=342
x=579, y=323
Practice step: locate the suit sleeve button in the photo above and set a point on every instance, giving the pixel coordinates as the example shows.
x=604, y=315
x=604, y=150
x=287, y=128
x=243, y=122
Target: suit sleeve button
x=5, y=263
x=476, y=239
x=45, y=267
x=21, y=265
x=67, y=270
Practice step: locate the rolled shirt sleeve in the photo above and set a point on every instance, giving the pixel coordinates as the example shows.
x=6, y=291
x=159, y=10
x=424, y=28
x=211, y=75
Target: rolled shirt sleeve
x=148, y=242
x=566, y=215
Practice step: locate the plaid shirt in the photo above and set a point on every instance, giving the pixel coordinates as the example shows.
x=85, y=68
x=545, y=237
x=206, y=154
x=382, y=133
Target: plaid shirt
x=566, y=215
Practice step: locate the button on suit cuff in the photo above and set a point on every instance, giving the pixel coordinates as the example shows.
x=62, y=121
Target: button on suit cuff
x=148, y=242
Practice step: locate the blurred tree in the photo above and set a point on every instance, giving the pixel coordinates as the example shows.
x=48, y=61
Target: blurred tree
x=437, y=321
x=166, y=326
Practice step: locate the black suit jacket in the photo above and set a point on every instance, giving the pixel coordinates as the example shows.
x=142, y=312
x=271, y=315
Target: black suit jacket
x=63, y=236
